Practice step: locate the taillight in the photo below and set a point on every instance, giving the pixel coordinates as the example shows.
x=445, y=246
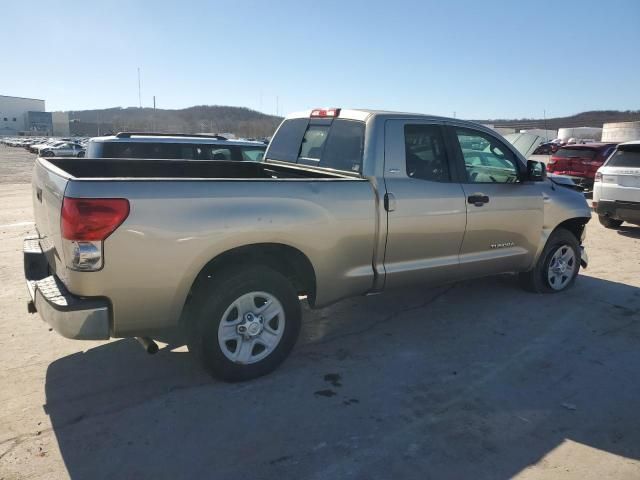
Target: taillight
x=552, y=160
x=92, y=218
x=84, y=224
x=598, y=177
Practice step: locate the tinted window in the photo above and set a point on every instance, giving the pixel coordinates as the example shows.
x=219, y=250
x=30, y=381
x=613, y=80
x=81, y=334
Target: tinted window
x=147, y=150
x=425, y=153
x=344, y=147
x=575, y=152
x=252, y=154
x=625, y=158
x=334, y=144
x=486, y=159
x=285, y=145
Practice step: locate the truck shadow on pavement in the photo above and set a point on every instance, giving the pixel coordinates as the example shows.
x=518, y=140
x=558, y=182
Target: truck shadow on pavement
x=475, y=380
x=629, y=231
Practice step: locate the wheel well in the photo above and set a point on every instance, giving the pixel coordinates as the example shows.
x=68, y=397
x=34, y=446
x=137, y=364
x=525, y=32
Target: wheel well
x=288, y=261
x=575, y=226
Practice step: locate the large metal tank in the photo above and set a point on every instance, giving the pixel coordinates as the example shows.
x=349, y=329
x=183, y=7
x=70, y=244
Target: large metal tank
x=590, y=133
x=621, y=132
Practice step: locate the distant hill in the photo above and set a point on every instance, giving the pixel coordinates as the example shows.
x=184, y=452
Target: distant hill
x=585, y=119
x=245, y=122
x=240, y=121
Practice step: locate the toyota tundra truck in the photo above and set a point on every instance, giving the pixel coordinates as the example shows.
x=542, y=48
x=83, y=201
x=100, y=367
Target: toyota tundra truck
x=345, y=203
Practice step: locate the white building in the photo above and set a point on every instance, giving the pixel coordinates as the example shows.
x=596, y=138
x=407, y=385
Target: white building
x=60, y=122
x=621, y=132
x=13, y=112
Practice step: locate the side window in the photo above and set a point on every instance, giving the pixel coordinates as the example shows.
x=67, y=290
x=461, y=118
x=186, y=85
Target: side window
x=425, y=154
x=486, y=159
x=186, y=152
x=217, y=153
x=252, y=154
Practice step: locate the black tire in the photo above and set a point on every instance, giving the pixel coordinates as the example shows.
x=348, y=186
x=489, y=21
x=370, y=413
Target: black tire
x=215, y=295
x=536, y=280
x=81, y=155
x=47, y=153
x=608, y=222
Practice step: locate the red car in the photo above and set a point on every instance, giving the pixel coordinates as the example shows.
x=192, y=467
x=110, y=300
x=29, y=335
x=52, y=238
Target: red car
x=580, y=162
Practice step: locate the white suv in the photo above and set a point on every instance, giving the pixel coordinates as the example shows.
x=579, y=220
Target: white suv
x=616, y=191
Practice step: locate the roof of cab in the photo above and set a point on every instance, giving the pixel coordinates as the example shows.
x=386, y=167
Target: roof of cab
x=363, y=115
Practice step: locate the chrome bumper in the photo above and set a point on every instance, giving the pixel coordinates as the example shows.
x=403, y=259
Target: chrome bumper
x=71, y=316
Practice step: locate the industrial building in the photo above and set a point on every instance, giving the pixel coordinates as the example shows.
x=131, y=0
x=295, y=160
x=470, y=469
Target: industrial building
x=13, y=113
x=621, y=132
x=27, y=116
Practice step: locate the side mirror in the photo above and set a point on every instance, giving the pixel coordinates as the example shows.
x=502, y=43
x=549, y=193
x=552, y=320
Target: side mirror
x=536, y=171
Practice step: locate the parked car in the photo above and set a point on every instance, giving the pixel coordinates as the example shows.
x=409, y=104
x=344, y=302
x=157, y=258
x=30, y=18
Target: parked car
x=62, y=149
x=616, y=192
x=547, y=148
x=178, y=146
x=580, y=162
x=347, y=202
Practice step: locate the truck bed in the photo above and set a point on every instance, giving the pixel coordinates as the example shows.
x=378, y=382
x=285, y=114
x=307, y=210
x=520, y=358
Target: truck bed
x=181, y=169
x=184, y=214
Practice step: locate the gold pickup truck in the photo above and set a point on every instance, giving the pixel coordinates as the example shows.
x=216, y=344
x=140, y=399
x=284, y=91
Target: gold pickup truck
x=346, y=202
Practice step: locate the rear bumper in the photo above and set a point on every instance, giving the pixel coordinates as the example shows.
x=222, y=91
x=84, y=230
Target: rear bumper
x=626, y=211
x=80, y=318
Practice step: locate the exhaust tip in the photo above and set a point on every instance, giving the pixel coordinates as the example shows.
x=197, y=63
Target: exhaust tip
x=148, y=344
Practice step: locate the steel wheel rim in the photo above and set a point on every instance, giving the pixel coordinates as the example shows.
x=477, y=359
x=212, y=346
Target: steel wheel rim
x=561, y=267
x=251, y=327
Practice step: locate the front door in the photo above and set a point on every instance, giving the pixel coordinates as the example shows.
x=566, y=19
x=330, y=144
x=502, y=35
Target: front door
x=504, y=213
x=425, y=204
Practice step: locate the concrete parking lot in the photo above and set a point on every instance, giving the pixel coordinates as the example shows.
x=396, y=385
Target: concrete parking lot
x=474, y=380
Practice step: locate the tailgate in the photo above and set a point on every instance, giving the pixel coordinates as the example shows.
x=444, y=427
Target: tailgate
x=48, y=186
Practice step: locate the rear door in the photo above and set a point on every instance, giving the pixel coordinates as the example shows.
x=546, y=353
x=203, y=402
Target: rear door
x=504, y=214
x=425, y=203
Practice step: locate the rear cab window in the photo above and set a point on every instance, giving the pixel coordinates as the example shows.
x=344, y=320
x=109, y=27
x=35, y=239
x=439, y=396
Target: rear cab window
x=324, y=142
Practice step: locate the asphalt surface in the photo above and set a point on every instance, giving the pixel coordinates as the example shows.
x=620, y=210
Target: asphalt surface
x=474, y=380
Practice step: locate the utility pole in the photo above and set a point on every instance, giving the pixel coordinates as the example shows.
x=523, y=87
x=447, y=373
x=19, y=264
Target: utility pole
x=154, y=113
x=544, y=113
x=277, y=107
x=139, y=90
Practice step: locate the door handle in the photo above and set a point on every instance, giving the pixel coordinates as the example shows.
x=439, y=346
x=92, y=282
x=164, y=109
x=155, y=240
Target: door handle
x=478, y=199
x=389, y=202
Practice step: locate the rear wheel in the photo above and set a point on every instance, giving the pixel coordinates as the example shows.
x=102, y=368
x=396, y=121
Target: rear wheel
x=608, y=222
x=557, y=267
x=243, y=322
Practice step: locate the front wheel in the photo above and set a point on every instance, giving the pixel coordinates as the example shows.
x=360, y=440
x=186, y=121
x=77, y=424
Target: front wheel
x=608, y=222
x=243, y=322
x=558, y=265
